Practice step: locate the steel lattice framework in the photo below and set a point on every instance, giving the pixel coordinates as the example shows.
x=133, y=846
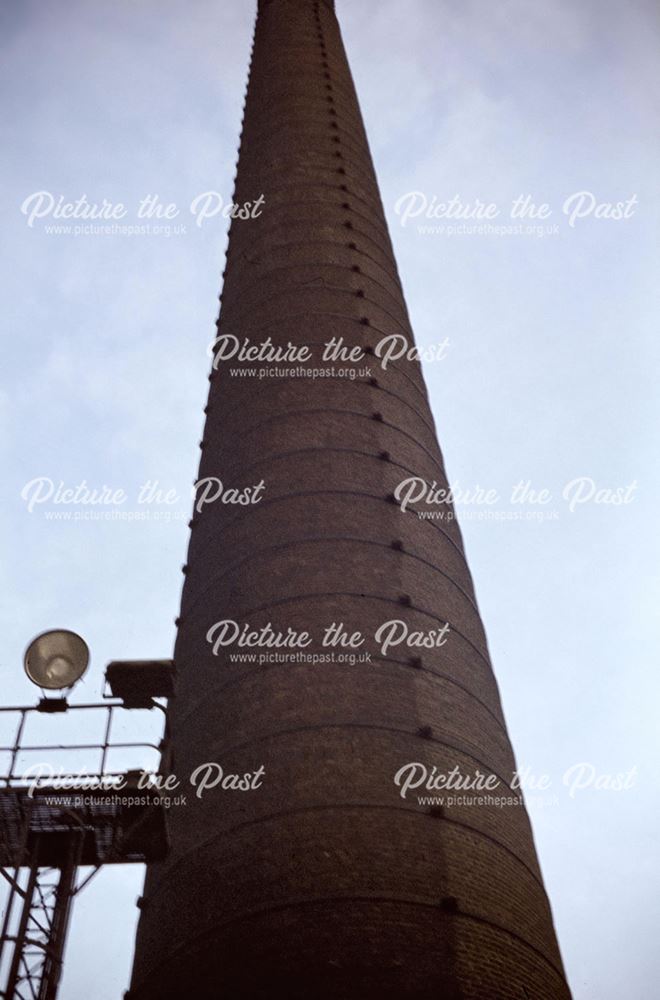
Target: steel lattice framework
x=47, y=838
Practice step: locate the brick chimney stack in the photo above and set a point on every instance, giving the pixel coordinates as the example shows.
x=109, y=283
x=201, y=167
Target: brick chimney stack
x=324, y=883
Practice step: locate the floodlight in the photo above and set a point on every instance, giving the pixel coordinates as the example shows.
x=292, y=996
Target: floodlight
x=56, y=659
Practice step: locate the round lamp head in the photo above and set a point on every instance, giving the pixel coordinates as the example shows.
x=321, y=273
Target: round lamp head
x=56, y=660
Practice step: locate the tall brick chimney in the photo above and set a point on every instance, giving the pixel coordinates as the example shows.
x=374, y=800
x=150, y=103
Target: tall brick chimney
x=324, y=883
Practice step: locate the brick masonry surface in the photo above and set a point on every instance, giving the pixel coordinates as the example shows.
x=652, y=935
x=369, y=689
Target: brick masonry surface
x=325, y=882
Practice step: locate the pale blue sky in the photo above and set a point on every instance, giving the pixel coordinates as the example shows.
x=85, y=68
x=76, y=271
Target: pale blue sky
x=549, y=376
